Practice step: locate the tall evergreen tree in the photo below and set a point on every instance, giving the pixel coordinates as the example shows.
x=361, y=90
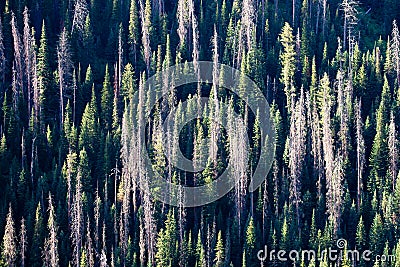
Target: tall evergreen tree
x=106, y=101
x=9, y=244
x=287, y=60
x=38, y=238
x=134, y=36
x=50, y=252
x=44, y=77
x=219, y=252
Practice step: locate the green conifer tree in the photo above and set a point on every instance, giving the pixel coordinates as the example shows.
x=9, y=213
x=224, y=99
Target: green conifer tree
x=106, y=101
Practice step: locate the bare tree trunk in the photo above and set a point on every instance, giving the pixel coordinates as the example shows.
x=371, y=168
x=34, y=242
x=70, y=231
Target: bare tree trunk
x=23, y=242
x=360, y=152
x=64, y=71
x=2, y=56
x=393, y=150
x=28, y=59
x=145, y=35
x=297, y=141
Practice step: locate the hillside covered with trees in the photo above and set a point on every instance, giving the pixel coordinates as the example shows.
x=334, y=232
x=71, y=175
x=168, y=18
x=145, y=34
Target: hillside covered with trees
x=69, y=153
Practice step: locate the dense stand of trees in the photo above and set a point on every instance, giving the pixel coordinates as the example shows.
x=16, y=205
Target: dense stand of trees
x=70, y=148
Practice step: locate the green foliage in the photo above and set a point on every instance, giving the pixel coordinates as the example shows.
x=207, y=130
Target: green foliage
x=45, y=84
x=9, y=246
x=219, y=260
x=376, y=235
x=106, y=101
x=113, y=43
x=287, y=60
x=88, y=136
x=166, y=250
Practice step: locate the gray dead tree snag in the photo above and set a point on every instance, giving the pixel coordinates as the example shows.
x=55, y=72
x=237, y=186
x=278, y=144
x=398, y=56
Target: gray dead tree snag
x=360, y=151
x=9, y=244
x=214, y=105
x=77, y=221
x=333, y=163
x=30, y=57
x=297, y=152
x=23, y=243
x=248, y=21
x=18, y=64
x=187, y=19
x=65, y=66
x=80, y=13
x=239, y=156
x=393, y=145
x=2, y=55
x=350, y=11
x=395, y=50
x=145, y=16
x=50, y=252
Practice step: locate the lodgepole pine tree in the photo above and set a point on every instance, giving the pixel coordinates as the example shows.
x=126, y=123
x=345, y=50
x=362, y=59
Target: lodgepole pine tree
x=44, y=80
x=287, y=61
x=9, y=244
x=106, y=101
x=50, y=251
x=219, y=252
x=38, y=238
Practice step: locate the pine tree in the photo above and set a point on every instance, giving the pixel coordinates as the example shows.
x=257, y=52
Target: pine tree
x=23, y=242
x=133, y=38
x=87, y=56
x=360, y=235
x=88, y=136
x=9, y=245
x=166, y=254
x=44, y=82
x=77, y=221
x=183, y=21
x=50, y=252
x=200, y=253
x=332, y=165
x=147, y=30
x=168, y=57
x=128, y=82
x=297, y=151
x=393, y=146
x=18, y=68
x=64, y=71
x=250, y=243
x=38, y=238
x=287, y=60
x=80, y=13
x=219, y=252
x=379, y=154
x=158, y=146
x=395, y=50
x=349, y=8
x=2, y=57
x=106, y=101
x=397, y=253
x=376, y=235
x=360, y=152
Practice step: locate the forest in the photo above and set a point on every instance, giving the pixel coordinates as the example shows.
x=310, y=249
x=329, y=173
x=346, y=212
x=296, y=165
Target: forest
x=73, y=94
